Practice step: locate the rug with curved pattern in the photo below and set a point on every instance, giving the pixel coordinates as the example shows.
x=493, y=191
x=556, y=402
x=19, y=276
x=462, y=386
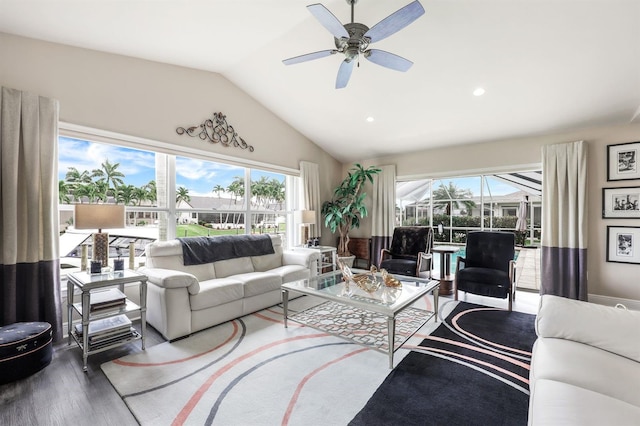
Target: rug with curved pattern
x=472, y=370
x=253, y=371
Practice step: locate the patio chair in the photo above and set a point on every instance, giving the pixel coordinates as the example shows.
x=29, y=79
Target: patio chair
x=410, y=252
x=487, y=268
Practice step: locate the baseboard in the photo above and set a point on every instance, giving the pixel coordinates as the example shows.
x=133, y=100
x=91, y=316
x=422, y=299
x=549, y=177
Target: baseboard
x=612, y=301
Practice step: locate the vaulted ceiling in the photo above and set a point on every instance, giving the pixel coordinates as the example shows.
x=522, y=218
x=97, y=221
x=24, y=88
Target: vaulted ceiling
x=545, y=65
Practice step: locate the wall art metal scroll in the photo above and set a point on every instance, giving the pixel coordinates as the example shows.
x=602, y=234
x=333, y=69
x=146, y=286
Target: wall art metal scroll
x=216, y=130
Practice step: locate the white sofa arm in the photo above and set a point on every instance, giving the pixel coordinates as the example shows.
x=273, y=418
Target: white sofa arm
x=168, y=278
x=306, y=258
x=612, y=329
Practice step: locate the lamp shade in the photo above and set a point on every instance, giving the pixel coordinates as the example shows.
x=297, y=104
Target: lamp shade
x=305, y=216
x=99, y=216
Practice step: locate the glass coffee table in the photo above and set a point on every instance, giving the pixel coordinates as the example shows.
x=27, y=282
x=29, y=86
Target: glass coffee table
x=382, y=320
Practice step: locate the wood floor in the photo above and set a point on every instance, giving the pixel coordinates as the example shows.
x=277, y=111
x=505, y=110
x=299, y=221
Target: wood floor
x=61, y=394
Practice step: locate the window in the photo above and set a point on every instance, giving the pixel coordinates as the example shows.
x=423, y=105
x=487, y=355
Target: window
x=458, y=205
x=203, y=197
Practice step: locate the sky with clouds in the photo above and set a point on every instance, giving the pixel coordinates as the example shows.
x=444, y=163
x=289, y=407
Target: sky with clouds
x=199, y=176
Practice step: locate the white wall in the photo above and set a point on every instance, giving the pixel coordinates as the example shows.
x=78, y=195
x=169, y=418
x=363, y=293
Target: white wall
x=606, y=280
x=150, y=100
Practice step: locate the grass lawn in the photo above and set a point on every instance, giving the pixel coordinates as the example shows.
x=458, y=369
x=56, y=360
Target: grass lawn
x=193, y=230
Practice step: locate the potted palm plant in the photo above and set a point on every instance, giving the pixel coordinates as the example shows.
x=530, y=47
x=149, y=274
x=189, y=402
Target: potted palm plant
x=344, y=211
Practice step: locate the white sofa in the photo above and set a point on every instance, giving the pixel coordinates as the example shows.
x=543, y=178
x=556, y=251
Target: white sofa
x=184, y=299
x=585, y=368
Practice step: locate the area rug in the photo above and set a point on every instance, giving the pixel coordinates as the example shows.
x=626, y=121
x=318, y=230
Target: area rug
x=472, y=370
x=253, y=371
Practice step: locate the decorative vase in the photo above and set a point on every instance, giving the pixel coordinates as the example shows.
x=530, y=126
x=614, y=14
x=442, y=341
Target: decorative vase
x=347, y=260
x=96, y=267
x=118, y=265
x=132, y=256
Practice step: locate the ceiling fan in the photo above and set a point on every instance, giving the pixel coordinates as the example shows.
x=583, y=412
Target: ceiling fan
x=353, y=39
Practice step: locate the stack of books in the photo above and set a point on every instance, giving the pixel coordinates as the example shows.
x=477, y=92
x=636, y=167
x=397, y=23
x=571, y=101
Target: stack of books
x=105, y=331
x=107, y=299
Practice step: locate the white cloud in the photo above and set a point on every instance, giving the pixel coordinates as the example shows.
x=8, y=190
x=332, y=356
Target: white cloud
x=89, y=156
x=213, y=173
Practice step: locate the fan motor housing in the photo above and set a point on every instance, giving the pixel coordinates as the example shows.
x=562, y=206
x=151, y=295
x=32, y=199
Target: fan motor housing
x=357, y=42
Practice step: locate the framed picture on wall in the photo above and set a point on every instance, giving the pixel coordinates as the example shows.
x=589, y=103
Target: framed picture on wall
x=622, y=161
x=621, y=203
x=623, y=244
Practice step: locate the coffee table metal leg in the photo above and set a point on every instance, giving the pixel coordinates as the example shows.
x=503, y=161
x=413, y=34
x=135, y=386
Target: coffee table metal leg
x=285, y=305
x=391, y=335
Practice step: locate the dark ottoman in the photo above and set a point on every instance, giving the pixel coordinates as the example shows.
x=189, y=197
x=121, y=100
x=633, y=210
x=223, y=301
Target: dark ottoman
x=25, y=347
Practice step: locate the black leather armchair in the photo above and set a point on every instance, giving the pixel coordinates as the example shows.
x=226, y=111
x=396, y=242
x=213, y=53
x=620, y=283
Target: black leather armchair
x=488, y=268
x=410, y=251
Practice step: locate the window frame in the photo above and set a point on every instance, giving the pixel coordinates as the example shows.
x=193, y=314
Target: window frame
x=485, y=202
x=172, y=151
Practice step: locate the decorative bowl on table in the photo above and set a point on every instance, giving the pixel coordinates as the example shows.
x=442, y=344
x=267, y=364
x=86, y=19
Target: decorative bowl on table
x=367, y=282
x=389, y=279
x=347, y=277
x=390, y=294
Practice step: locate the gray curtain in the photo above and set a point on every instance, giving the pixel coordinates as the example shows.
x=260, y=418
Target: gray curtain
x=30, y=265
x=564, y=220
x=383, y=211
x=310, y=195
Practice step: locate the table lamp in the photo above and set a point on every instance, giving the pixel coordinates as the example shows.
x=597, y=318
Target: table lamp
x=99, y=216
x=305, y=218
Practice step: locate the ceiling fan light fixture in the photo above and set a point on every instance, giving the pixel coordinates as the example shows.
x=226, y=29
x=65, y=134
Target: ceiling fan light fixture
x=353, y=39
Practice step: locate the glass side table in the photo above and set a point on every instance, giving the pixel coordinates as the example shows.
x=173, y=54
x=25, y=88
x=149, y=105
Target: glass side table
x=85, y=283
x=328, y=258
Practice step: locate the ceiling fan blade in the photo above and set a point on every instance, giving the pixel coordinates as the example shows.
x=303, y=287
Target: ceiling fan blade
x=344, y=73
x=309, y=57
x=388, y=60
x=395, y=22
x=328, y=20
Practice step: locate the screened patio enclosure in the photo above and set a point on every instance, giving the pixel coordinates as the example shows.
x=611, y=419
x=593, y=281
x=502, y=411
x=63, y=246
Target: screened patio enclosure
x=456, y=205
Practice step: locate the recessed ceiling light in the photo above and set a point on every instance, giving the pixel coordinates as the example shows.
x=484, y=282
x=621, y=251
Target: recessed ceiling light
x=370, y=119
x=478, y=92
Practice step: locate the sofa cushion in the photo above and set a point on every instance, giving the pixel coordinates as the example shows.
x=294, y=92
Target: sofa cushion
x=258, y=282
x=226, y=268
x=399, y=266
x=611, y=329
x=290, y=273
x=587, y=367
x=267, y=261
x=216, y=292
x=556, y=403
